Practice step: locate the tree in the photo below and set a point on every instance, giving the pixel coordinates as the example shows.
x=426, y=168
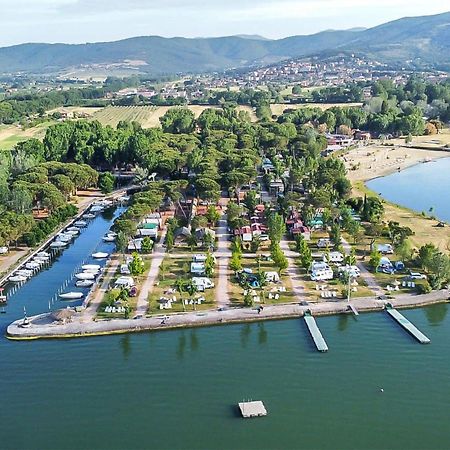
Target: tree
x=354, y=229
x=147, y=245
x=191, y=241
x=209, y=265
x=279, y=258
x=375, y=258
x=251, y=201
x=255, y=244
x=170, y=239
x=163, y=269
x=426, y=255
x=439, y=268
x=235, y=262
x=180, y=285
x=335, y=236
x=404, y=250
x=212, y=215
x=277, y=228
x=121, y=242
x=106, y=182
x=178, y=120
x=136, y=265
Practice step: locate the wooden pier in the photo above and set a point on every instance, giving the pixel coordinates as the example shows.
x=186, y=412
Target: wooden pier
x=315, y=332
x=252, y=409
x=407, y=325
x=353, y=309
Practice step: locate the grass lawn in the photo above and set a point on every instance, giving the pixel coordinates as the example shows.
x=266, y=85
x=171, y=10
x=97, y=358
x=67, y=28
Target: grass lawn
x=178, y=268
x=112, y=293
x=237, y=292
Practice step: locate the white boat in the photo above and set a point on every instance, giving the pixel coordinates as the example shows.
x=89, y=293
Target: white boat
x=100, y=255
x=97, y=208
x=71, y=295
x=91, y=267
x=41, y=259
x=80, y=223
x=17, y=279
x=84, y=283
x=72, y=233
x=24, y=273
x=64, y=237
x=109, y=237
x=43, y=255
x=32, y=265
x=58, y=244
x=85, y=276
x=88, y=216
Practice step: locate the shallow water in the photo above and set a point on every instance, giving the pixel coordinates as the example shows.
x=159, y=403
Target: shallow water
x=420, y=188
x=179, y=389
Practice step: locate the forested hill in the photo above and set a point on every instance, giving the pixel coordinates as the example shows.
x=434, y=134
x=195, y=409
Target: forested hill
x=423, y=39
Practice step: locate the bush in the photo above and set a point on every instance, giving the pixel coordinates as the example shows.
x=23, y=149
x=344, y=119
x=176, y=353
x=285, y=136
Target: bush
x=423, y=288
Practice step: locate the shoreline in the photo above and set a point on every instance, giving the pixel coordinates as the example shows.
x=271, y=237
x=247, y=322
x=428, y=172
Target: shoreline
x=78, y=329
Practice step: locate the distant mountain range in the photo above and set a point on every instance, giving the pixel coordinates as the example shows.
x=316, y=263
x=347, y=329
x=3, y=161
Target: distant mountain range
x=424, y=40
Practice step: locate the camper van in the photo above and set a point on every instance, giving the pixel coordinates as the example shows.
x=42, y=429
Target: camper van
x=333, y=257
x=202, y=283
x=321, y=271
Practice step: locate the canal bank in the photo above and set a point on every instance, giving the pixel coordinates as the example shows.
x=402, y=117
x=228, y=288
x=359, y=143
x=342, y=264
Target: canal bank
x=43, y=326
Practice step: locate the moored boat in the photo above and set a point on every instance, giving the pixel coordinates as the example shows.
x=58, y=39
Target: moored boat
x=100, y=255
x=80, y=223
x=17, y=279
x=84, y=283
x=71, y=295
x=91, y=267
x=85, y=276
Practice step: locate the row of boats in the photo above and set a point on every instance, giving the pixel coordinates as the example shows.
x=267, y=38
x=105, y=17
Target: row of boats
x=60, y=242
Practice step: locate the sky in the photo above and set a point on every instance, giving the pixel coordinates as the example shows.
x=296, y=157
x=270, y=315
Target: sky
x=79, y=21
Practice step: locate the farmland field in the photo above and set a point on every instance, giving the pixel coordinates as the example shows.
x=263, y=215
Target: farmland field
x=10, y=135
x=147, y=116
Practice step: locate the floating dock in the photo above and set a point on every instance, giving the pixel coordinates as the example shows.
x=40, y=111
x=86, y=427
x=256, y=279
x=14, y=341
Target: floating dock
x=315, y=332
x=252, y=409
x=407, y=325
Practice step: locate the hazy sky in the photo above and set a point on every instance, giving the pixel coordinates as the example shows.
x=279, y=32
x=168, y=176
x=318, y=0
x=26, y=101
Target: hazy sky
x=76, y=21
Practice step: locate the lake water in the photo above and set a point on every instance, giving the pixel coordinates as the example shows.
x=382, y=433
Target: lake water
x=420, y=188
x=179, y=389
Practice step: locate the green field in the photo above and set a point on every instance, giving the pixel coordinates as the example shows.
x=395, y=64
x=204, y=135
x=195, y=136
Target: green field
x=10, y=135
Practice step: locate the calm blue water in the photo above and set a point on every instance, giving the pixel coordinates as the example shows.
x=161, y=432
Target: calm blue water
x=419, y=188
x=178, y=389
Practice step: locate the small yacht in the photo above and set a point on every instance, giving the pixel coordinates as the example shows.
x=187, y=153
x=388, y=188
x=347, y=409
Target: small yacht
x=110, y=237
x=91, y=267
x=80, y=223
x=64, y=237
x=100, y=255
x=72, y=233
x=17, y=279
x=58, y=244
x=32, y=265
x=71, y=295
x=85, y=276
x=41, y=259
x=43, y=255
x=3, y=298
x=24, y=273
x=97, y=208
x=89, y=216
x=84, y=283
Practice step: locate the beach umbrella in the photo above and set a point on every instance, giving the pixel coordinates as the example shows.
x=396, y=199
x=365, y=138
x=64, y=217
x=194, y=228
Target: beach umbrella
x=63, y=314
x=396, y=283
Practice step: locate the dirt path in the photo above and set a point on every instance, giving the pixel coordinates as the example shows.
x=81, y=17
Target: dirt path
x=292, y=271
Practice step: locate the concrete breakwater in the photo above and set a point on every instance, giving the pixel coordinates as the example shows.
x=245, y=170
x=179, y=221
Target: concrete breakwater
x=43, y=327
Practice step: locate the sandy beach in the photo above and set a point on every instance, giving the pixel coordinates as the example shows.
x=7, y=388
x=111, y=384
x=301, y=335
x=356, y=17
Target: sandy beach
x=366, y=163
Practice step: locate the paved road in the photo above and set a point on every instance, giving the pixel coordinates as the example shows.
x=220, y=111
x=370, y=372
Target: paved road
x=223, y=256
x=94, y=303
x=41, y=327
x=158, y=256
x=368, y=277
